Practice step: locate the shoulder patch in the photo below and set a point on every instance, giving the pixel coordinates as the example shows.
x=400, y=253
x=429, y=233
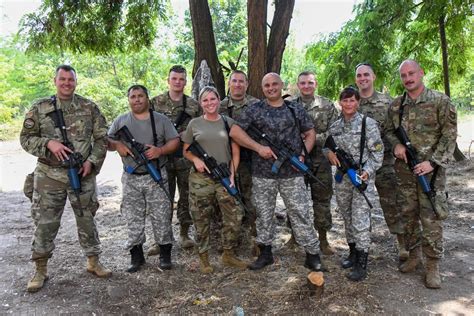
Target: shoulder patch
x=29, y=123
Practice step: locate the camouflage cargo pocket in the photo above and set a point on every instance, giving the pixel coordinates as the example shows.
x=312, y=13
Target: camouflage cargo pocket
x=28, y=186
x=441, y=203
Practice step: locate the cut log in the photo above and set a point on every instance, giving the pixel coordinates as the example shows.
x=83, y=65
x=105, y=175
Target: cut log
x=316, y=284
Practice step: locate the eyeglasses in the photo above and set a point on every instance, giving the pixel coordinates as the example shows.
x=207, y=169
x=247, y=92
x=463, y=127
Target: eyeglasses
x=364, y=64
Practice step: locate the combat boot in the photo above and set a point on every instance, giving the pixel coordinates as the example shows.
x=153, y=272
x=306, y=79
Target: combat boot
x=432, y=277
x=165, y=257
x=402, y=251
x=41, y=275
x=414, y=259
x=154, y=250
x=264, y=259
x=359, y=269
x=324, y=244
x=349, y=260
x=313, y=262
x=95, y=267
x=204, y=264
x=230, y=260
x=186, y=242
x=137, y=258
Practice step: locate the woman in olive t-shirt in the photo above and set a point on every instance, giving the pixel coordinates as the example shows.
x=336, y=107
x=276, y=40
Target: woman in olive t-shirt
x=211, y=132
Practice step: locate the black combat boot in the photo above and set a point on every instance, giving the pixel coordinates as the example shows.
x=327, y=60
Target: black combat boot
x=137, y=258
x=313, y=262
x=359, y=270
x=264, y=259
x=165, y=256
x=349, y=261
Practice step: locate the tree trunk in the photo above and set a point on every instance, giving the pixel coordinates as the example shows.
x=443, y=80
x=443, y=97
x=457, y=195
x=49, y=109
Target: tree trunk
x=204, y=42
x=444, y=52
x=257, y=45
x=279, y=33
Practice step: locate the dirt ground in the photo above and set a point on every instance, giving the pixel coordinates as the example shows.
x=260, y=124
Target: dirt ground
x=278, y=289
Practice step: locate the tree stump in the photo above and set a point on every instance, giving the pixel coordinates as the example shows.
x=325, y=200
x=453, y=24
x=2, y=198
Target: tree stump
x=316, y=284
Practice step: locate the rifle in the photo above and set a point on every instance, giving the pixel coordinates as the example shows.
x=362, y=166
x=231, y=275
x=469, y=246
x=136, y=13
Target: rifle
x=412, y=162
x=347, y=166
x=219, y=172
x=140, y=159
x=74, y=160
x=284, y=154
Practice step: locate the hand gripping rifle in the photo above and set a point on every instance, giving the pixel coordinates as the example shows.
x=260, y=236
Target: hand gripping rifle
x=412, y=162
x=348, y=166
x=74, y=160
x=219, y=172
x=140, y=159
x=284, y=154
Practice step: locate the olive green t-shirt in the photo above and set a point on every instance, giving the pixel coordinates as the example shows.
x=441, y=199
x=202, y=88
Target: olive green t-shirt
x=211, y=135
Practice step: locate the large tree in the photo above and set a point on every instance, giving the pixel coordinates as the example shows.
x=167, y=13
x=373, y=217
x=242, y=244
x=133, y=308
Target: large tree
x=104, y=27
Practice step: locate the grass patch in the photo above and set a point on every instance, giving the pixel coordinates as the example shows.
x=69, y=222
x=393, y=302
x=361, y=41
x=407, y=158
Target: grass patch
x=9, y=131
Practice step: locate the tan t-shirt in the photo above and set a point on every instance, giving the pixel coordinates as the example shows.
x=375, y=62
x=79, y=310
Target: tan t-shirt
x=211, y=135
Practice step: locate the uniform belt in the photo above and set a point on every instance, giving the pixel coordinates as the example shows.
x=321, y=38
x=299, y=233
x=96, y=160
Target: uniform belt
x=52, y=163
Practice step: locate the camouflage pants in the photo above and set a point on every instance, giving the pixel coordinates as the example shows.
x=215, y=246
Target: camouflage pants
x=245, y=187
x=355, y=211
x=297, y=201
x=178, y=172
x=385, y=182
x=419, y=221
x=141, y=196
x=204, y=192
x=49, y=199
x=321, y=196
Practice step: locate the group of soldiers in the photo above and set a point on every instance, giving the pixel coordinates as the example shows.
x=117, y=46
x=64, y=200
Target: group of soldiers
x=273, y=135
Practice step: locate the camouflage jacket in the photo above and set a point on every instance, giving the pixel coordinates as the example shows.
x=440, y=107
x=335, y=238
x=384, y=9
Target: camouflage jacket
x=86, y=130
x=376, y=107
x=233, y=109
x=431, y=125
x=347, y=136
x=163, y=104
x=323, y=113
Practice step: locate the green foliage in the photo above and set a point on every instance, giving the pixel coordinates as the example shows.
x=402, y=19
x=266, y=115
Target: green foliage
x=104, y=79
x=97, y=26
x=230, y=30
x=385, y=32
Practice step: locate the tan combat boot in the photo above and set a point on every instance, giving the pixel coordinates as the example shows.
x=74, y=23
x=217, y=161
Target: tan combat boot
x=204, y=263
x=41, y=275
x=432, y=277
x=402, y=251
x=414, y=259
x=230, y=260
x=95, y=267
x=154, y=250
x=323, y=243
x=186, y=242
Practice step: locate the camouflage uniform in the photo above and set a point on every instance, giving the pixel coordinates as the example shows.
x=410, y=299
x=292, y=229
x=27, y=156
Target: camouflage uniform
x=323, y=113
x=87, y=132
x=233, y=109
x=205, y=192
x=279, y=124
x=178, y=166
x=376, y=107
x=431, y=126
x=142, y=196
x=352, y=205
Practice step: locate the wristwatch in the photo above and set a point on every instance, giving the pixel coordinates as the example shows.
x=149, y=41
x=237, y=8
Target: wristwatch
x=433, y=164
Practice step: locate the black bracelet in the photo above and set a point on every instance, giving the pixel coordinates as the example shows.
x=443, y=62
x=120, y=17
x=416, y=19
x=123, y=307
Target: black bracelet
x=433, y=164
